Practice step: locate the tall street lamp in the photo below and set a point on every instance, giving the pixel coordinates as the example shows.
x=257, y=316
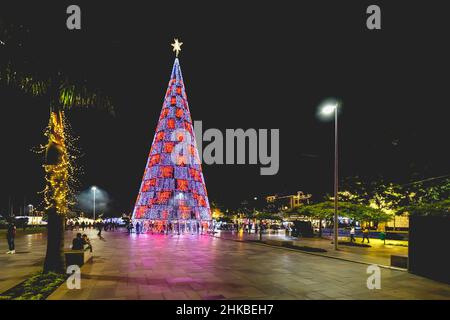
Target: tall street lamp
x=327, y=111
x=94, y=189
x=30, y=209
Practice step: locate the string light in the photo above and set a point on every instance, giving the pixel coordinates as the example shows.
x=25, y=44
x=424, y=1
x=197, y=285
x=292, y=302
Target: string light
x=60, y=172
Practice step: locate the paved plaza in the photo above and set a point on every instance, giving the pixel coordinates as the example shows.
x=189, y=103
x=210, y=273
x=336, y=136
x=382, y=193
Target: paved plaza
x=29, y=258
x=204, y=267
x=379, y=253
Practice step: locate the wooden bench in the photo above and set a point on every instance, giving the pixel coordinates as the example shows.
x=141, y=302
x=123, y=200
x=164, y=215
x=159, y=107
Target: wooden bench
x=399, y=261
x=77, y=257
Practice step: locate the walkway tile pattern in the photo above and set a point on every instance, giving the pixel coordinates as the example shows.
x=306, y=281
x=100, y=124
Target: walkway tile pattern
x=378, y=253
x=203, y=267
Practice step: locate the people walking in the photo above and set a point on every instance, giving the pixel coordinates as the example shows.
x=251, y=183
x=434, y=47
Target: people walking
x=99, y=228
x=10, y=237
x=366, y=235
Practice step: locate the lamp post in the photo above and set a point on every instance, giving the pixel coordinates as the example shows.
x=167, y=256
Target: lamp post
x=94, y=189
x=327, y=110
x=30, y=209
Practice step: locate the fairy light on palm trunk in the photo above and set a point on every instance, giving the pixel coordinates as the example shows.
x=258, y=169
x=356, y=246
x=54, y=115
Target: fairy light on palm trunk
x=60, y=170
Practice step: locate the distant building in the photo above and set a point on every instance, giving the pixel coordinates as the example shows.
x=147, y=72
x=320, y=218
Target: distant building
x=288, y=202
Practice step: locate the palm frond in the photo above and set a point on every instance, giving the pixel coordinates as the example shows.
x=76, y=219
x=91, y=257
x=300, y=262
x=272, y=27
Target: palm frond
x=24, y=82
x=20, y=70
x=72, y=96
x=65, y=94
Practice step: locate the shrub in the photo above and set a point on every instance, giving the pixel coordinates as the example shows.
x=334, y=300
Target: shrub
x=38, y=287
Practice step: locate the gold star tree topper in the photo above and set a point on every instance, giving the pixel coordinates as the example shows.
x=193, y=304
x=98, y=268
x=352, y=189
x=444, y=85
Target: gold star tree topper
x=176, y=46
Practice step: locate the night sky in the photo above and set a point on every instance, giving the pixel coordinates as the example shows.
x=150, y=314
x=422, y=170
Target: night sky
x=249, y=65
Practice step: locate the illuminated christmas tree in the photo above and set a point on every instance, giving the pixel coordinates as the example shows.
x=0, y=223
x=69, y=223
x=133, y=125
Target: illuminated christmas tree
x=173, y=187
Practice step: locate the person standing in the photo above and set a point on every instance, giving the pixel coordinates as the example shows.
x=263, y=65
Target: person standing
x=10, y=236
x=138, y=227
x=352, y=234
x=129, y=227
x=99, y=228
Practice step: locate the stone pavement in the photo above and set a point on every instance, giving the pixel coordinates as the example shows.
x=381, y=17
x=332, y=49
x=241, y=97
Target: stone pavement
x=204, y=267
x=29, y=258
x=377, y=254
x=30, y=250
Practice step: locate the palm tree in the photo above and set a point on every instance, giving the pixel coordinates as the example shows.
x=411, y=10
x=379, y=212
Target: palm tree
x=62, y=94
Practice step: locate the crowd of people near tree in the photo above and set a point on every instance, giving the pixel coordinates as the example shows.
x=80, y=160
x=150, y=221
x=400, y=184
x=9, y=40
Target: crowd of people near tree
x=106, y=226
x=169, y=227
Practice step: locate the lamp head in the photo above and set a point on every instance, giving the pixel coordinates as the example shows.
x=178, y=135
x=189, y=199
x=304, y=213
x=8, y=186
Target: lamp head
x=327, y=109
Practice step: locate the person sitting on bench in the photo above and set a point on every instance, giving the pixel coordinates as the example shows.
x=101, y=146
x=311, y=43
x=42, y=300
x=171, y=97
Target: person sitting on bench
x=77, y=243
x=87, y=242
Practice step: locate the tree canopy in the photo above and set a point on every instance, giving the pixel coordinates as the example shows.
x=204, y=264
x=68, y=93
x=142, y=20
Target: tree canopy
x=440, y=208
x=325, y=210
x=387, y=196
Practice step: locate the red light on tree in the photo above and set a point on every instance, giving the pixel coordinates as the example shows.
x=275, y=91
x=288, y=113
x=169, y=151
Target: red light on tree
x=160, y=136
x=163, y=197
x=155, y=159
x=168, y=147
x=179, y=113
x=164, y=113
x=182, y=185
x=167, y=172
x=171, y=123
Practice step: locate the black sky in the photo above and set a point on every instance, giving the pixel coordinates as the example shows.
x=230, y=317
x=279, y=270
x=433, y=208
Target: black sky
x=245, y=65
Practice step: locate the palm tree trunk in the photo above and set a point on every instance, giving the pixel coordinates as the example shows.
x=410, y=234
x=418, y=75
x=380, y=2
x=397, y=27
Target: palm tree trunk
x=54, y=258
x=56, y=157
